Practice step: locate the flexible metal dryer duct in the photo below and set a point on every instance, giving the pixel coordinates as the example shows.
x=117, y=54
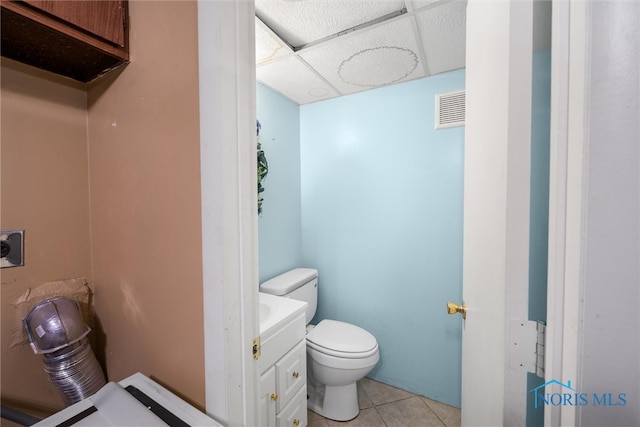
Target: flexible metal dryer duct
x=55, y=328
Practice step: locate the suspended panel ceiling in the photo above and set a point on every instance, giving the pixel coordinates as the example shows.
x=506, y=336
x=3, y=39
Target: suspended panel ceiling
x=305, y=21
x=309, y=50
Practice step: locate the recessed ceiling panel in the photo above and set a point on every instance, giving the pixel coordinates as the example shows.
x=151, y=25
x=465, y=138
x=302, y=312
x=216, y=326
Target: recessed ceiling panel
x=293, y=79
x=380, y=56
x=268, y=45
x=299, y=22
x=443, y=33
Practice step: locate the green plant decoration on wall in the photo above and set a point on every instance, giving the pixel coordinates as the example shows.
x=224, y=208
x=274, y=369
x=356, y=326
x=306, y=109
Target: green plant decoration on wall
x=263, y=168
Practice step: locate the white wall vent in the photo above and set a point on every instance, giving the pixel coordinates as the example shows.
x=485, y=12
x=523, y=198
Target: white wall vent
x=450, y=109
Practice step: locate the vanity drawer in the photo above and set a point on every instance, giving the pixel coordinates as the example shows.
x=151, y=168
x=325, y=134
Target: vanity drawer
x=295, y=413
x=276, y=345
x=291, y=373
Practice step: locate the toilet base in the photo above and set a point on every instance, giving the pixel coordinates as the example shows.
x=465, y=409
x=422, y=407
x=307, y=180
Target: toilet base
x=338, y=403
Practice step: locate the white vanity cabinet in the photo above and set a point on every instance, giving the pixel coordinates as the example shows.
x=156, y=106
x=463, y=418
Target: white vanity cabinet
x=268, y=398
x=283, y=369
x=283, y=399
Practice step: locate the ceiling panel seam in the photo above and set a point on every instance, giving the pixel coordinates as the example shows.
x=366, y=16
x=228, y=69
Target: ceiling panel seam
x=434, y=5
x=272, y=31
x=357, y=28
x=421, y=51
x=320, y=76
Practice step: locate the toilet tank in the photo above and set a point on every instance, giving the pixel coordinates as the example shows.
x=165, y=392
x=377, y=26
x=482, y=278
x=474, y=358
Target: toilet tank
x=300, y=284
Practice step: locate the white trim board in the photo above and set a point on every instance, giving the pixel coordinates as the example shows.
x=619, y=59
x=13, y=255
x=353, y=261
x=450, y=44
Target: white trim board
x=229, y=208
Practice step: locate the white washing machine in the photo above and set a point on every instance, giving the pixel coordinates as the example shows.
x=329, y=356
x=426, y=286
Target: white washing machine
x=134, y=401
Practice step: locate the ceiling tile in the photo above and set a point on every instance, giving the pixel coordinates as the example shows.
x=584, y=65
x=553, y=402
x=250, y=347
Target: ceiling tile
x=378, y=56
x=443, y=34
x=293, y=79
x=305, y=21
x=268, y=45
x=419, y=4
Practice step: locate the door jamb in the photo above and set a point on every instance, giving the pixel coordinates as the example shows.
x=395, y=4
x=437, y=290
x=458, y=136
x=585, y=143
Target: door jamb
x=227, y=87
x=568, y=156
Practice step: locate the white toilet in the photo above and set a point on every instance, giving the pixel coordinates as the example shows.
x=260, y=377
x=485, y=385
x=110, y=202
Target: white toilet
x=338, y=353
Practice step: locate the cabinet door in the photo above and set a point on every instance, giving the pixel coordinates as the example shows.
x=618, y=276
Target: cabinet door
x=295, y=413
x=291, y=371
x=104, y=19
x=82, y=40
x=268, y=398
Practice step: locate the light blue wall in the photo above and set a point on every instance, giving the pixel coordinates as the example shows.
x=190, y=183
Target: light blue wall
x=539, y=225
x=279, y=226
x=539, y=220
x=382, y=198
x=382, y=195
x=381, y=218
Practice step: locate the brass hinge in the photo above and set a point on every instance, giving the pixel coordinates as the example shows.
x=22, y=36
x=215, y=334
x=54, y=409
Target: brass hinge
x=256, y=348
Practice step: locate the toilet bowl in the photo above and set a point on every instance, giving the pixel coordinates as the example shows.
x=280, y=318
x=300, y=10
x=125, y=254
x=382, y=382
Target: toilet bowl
x=338, y=353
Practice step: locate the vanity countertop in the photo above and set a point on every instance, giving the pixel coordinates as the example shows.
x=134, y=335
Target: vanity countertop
x=276, y=312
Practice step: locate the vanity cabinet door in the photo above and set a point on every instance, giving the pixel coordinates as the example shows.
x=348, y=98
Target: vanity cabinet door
x=295, y=413
x=291, y=373
x=268, y=398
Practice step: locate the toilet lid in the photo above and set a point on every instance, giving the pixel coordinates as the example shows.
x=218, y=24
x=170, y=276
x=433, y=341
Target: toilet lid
x=332, y=336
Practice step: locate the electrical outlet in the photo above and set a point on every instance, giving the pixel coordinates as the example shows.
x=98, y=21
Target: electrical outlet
x=12, y=248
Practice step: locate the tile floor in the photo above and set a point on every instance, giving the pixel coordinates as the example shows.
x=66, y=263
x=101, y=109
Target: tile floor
x=384, y=406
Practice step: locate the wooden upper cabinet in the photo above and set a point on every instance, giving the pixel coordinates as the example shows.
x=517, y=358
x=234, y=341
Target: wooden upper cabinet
x=101, y=18
x=78, y=39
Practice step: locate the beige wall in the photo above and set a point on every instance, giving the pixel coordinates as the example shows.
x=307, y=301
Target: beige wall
x=45, y=192
x=144, y=179
x=106, y=182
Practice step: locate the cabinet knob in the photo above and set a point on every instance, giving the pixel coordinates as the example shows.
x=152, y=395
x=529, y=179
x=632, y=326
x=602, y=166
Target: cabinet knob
x=274, y=396
x=296, y=422
x=296, y=375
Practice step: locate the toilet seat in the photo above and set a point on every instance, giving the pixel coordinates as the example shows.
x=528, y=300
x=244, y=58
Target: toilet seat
x=341, y=339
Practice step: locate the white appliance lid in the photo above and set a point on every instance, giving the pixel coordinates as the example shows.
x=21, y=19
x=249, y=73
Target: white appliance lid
x=289, y=281
x=135, y=401
x=342, y=337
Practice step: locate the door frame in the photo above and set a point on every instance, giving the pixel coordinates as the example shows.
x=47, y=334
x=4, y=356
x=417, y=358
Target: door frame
x=497, y=171
x=227, y=88
x=568, y=156
x=230, y=27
